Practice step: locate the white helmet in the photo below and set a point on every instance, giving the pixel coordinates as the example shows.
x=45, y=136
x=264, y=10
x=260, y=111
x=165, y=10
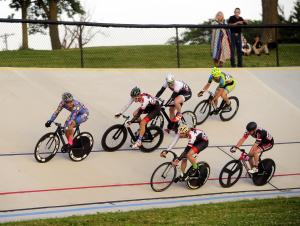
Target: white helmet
x=183, y=128
x=170, y=78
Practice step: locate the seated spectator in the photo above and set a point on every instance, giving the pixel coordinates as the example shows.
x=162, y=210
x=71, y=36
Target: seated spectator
x=259, y=47
x=246, y=47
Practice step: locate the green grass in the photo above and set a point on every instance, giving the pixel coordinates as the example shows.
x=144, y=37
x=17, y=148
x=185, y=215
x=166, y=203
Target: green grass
x=280, y=211
x=156, y=56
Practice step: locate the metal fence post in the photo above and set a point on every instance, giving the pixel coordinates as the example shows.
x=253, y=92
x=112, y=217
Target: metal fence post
x=177, y=49
x=277, y=47
x=80, y=46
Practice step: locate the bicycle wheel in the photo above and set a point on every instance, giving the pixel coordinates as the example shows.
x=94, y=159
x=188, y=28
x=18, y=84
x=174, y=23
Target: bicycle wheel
x=202, y=111
x=82, y=146
x=227, y=115
x=152, y=139
x=189, y=118
x=163, y=176
x=266, y=170
x=159, y=121
x=46, y=147
x=201, y=178
x=230, y=173
x=114, y=137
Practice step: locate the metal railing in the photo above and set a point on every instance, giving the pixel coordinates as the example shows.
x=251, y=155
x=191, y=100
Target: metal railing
x=136, y=45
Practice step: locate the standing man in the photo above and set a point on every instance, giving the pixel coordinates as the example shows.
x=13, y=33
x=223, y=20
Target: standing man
x=236, y=39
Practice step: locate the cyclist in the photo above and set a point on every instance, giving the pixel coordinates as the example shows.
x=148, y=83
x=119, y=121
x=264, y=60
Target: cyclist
x=264, y=142
x=197, y=142
x=149, y=106
x=226, y=85
x=79, y=114
x=181, y=93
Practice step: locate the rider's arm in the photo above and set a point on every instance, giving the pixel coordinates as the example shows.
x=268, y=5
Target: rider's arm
x=125, y=108
x=160, y=92
x=174, y=142
x=206, y=86
x=58, y=110
x=242, y=140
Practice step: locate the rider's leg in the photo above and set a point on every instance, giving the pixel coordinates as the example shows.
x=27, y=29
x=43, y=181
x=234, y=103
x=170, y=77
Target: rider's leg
x=225, y=96
x=255, y=153
x=178, y=101
x=135, y=113
x=191, y=158
x=183, y=166
x=172, y=112
x=70, y=132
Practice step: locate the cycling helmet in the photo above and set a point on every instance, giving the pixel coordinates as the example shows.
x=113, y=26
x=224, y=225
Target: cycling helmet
x=170, y=78
x=67, y=97
x=135, y=92
x=216, y=72
x=251, y=126
x=183, y=128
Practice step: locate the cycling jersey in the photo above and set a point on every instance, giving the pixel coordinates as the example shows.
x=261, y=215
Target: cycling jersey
x=262, y=136
x=224, y=80
x=198, y=141
x=179, y=88
x=79, y=113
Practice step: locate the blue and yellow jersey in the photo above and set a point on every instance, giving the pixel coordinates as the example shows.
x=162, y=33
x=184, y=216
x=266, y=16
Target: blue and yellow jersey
x=223, y=80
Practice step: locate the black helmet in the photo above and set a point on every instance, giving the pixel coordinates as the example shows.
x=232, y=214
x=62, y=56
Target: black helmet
x=135, y=92
x=67, y=97
x=251, y=126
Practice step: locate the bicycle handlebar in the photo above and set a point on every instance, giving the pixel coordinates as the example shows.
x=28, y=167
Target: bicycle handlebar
x=240, y=149
x=173, y=153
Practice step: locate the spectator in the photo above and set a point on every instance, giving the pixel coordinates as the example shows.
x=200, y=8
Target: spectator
x=259, y=47
x=236, y=41
x=220, y=42
x=246, y=47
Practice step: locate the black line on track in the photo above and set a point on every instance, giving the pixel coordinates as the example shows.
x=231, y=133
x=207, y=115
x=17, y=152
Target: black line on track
x=141, y=199
x=129, y=149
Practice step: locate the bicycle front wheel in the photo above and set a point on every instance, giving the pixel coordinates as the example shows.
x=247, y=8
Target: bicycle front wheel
x=46, y=147
x=231, y=173
x=202, y=111
x=163, y=176
x=189, y=118
x=114, y=137
x=226, y=115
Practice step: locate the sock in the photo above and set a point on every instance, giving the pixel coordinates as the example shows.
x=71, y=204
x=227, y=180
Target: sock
x=140, y=138
x=195, y=166
x=70, y=141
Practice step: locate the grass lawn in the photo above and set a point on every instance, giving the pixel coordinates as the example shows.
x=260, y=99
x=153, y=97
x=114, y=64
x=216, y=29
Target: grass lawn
x=157, y=56
x=280, y=211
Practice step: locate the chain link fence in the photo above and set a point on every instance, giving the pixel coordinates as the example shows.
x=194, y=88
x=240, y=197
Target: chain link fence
x=96, y=45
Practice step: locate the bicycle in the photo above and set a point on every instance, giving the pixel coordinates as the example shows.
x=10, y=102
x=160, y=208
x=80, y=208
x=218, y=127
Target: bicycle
x=234, y=169
x=188, y=117
x=118, y=133
x=48, y=145
x=205, y=108
x=165, y=174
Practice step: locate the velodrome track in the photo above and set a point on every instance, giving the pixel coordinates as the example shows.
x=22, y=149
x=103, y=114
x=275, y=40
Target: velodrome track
x=120, y=180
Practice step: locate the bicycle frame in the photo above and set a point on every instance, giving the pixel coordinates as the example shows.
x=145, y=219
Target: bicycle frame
x=59, y=130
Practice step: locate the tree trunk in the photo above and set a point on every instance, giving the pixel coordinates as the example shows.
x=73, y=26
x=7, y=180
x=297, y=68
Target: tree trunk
x=269, y=16
x=53, y=29
x=24, y=25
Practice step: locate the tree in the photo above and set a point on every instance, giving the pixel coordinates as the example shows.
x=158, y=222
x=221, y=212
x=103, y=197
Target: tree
x=269, y=16
x=52, y=10
x=23, y=5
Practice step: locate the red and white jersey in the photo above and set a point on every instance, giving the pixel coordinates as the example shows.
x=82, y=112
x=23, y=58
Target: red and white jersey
x=146, y=100
x=196, y=135
x=178, y=86
x=261, y=135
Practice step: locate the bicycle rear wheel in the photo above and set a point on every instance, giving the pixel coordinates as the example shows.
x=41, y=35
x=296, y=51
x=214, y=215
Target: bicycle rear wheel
x=82, y=146
x=46, y=147
x=266, y=170
x=163, y=176
x=158, y=121
x=226, y=115
x=199, y=180
x=152, y=139
x=230, y=173
x=202, y=111
x=189, y=118
x=114, y=137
